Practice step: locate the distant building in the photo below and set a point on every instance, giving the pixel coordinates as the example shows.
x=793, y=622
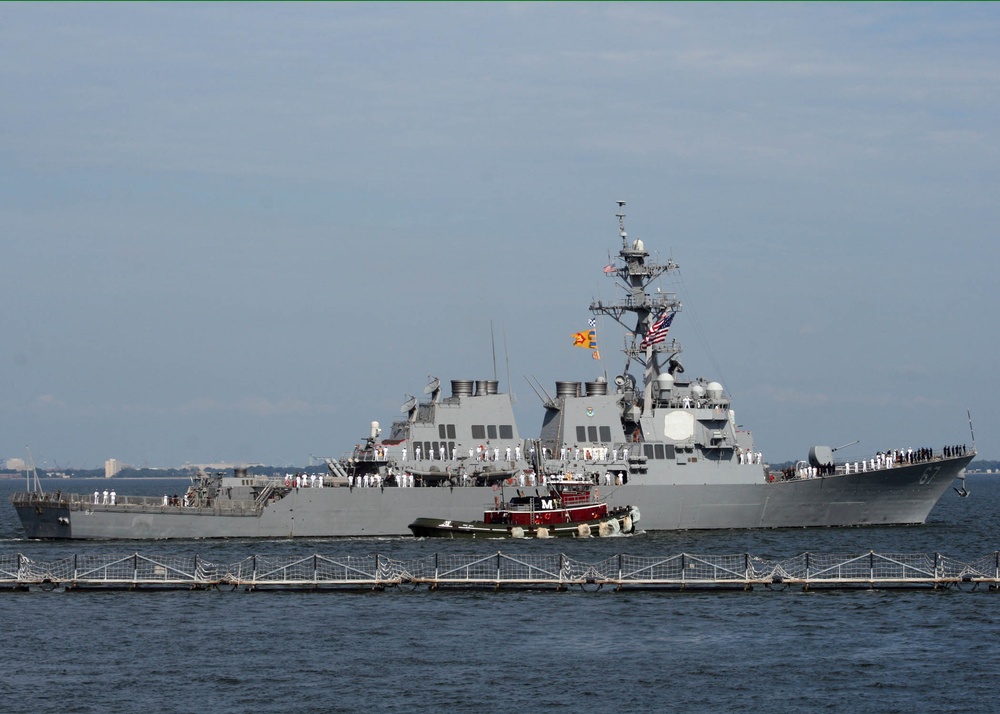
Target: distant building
x=112, y=467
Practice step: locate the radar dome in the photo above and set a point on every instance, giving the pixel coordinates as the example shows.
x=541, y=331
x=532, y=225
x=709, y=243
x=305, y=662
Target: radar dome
x=664, y=384
x=638, y=245
x=698, y=390
x=714, y=390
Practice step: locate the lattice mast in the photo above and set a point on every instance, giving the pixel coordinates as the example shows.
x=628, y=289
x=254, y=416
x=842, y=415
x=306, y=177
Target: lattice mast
x=635, y=273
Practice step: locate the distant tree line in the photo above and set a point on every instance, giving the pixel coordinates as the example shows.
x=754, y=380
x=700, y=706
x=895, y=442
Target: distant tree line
x=983, y=465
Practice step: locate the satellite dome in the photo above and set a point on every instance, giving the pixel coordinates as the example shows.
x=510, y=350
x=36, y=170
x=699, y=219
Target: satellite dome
x=637, y=245
x=665, y=380
x=714, y=390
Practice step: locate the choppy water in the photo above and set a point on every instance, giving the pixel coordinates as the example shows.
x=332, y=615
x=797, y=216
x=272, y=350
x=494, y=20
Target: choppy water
x=415, y=650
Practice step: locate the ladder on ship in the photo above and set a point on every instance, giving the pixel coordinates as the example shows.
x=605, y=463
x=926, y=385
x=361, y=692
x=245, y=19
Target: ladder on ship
x=263, y=496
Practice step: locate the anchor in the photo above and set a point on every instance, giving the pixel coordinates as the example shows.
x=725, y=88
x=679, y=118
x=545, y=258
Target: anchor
x=962, y=490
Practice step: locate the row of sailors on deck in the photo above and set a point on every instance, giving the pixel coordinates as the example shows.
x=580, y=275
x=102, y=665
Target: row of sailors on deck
x=109, y=498
x=750, y=457
x=373, y=480
x=595, y=453
x=480, y=453
x=523, y=479
x=303, y=481
x=886, y=459
x=486, y=453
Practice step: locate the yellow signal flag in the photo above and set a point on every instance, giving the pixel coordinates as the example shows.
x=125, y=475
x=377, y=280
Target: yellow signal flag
x=587, y=340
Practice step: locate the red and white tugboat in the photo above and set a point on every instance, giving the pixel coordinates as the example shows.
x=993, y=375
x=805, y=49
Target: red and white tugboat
x=571, y=508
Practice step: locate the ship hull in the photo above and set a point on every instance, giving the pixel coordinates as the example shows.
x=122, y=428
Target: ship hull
x=899, y=495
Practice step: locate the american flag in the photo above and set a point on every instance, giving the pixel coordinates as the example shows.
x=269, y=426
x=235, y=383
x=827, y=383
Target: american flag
x=657, y=332
x=610, y=268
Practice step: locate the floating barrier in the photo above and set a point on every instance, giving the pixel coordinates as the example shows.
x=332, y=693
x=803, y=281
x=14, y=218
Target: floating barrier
x=500, y=570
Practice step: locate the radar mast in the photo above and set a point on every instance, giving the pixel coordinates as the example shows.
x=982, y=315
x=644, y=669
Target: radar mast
x=635, y=273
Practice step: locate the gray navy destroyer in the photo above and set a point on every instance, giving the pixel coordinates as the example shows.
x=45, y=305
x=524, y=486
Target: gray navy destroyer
x=667, y=446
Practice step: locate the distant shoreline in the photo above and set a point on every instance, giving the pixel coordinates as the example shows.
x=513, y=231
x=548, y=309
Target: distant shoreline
x=5, y=477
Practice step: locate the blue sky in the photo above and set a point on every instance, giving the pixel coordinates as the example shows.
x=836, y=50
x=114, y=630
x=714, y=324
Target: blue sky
x=242, y=232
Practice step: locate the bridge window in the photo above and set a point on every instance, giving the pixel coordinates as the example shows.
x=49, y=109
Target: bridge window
x=451, y=431
x=581, y=433
x=479, y=431
x=591, y=434
x=605, y=434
